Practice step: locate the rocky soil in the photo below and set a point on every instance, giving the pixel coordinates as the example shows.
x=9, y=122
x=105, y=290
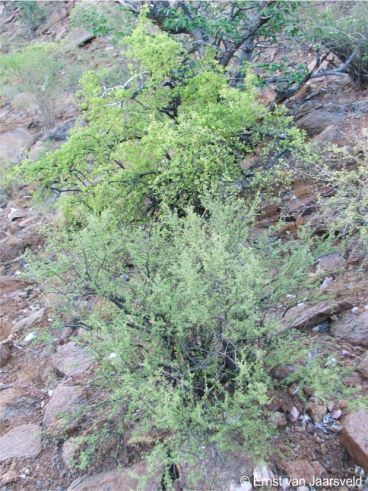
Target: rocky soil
x=45, y=385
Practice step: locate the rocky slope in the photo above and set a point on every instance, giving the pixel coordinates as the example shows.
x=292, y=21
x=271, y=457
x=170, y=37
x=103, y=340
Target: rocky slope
x=45, y=385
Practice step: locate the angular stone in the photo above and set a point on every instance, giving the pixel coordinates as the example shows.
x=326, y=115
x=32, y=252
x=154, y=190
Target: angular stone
x=301, y=205
x=117, y=480
x=316, y=121
x=29, y=321
x=303, y=471
x=351, y=328
x=63, y=406
x=22, y=441
x=354, y=436
x=16, y=213
x=77, y=37
x=311, y=315
x=70, y=359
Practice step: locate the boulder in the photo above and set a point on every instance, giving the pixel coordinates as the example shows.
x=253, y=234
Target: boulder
x=13, y=144
x=60, y=132
x=351, y=328
x=317, y=121
x=29, y=321
x=63, y=406
x=354, y=436
x=16, y=213
x=70, y=359
x=77, y=37
x=125, y=479
x=22, y=441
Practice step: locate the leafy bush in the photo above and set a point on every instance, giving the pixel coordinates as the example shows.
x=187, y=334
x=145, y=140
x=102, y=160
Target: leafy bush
x=103, y=19
x=181, y=322
x=33, y=13
x=168, y=133
x=44, y=72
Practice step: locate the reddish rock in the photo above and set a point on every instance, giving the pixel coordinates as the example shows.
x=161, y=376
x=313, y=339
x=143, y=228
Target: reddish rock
x=316, y=121
x=22, y=441
x=310, y=315
x=65, y=402
x=351, y=328
x=70, y=359
x=306, y=472
x=301, y=205
x=9, y=284
x=355, y=436
x=117, y=480
x=270, y=210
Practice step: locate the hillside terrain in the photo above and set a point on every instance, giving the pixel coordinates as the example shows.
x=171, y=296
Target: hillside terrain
x=183, y=247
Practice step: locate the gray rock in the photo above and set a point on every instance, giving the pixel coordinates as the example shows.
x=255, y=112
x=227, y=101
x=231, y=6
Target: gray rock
x=77, y=37
x=16, y=213
x=70, y=359
x=63, y=406
x=60, y=133
x=29, y=321
x=351, y=328
x=117, y=480
x=22, y=441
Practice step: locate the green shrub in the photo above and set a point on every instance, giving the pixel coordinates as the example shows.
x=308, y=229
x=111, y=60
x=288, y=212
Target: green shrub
x=343, y=30
x=165, y=135
x=183, y=306
x=42, y=71
x=32, y=13
x=103, y=19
